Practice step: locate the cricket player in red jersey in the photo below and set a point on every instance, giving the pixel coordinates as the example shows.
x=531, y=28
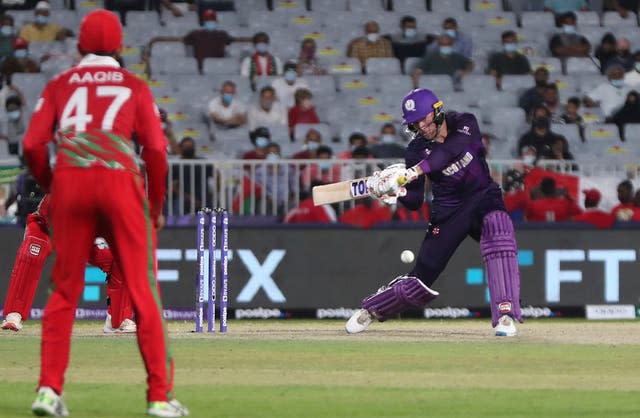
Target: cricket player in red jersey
x=27, y=269
x=97, y=190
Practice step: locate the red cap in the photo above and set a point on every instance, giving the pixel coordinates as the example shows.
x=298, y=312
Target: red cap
x=100, y=31
x=209, y=14
x=20, y=43
x=592, y=195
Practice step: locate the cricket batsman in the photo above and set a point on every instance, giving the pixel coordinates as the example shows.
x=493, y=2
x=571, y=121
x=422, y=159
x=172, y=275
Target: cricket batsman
x=97, y=190
x=27, y=269
x=446, y=148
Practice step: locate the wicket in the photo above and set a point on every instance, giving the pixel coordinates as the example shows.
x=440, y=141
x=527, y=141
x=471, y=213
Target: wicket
x=208, y=222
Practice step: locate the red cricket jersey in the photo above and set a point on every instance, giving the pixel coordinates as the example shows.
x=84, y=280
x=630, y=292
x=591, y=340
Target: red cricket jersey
x=551, y=209
x=307, y=212
x=596, y=217
x=95, y=107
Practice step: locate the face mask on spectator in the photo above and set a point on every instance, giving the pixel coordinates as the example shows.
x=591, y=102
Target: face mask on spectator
x=569, y=28
x=373, y=37
x=188, y=152
x=312, y=145
x=446, y=50
x=324, y=165
x=541, y=123
x=388, y=138
x=6, y=30
x=262, y=142
x=451, y=33
x=511, y=47
x=528, y=159
x=617, y=83
x=13, y=115
x=541, y=83
x=272, y=156
x=290, y=76
x=210, y=25
x=20, y=53
x=410, y=33
x=227, y=98
x=266, y=105
x=637, y=65
x=42, y=19
x=262, y=47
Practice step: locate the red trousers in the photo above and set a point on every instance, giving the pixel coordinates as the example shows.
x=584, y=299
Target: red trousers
x=86, y=203
x=30, y=260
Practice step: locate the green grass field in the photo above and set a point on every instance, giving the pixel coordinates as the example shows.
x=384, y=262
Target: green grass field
x=554, y=368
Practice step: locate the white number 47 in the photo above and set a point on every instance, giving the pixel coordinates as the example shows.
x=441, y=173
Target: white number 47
x=75, y=113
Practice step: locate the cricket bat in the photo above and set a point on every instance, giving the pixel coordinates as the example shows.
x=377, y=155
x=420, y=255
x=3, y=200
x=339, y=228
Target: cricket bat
x=343, y=190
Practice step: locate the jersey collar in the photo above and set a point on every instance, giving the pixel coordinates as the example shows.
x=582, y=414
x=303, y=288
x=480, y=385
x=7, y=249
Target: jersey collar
x=92, y=60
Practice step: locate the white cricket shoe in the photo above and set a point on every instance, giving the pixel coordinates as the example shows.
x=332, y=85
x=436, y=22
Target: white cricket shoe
x=506, y=327
x=107, y=328
x=167, y=409
x=358, y=322
x=49, y=404
x=128, y=327
x=13, y=322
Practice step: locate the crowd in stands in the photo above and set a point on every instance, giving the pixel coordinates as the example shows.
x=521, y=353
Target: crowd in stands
x=321, y=80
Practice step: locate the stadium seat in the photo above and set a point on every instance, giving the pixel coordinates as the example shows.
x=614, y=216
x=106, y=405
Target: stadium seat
x=601, y=131
x=346, y=66
x=485, y=6
x=144, y=19
x=169, y=49
x=539, y=21
x=333, y=6
x=409, y=7
x=571, y=132
x=366, y=6
x=322, y=85
x=552, y=64
x=4, y=149
x=632, y=133
x=614, y=20
x=587, y=18
x=173, y=65
x=577, y=65
x=516, y=83
x=383, y=66
x=221, y=66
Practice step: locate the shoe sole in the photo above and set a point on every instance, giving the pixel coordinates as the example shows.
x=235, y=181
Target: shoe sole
x=41, y=412
x=10, y=327
x=504, y=334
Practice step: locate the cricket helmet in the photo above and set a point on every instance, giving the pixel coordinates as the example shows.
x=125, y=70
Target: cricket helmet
x=418, y=104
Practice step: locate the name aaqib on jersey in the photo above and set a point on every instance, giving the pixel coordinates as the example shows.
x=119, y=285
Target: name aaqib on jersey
x=97, y=77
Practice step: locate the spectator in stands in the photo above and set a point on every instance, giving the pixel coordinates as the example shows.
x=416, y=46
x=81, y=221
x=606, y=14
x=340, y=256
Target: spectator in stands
x=462, y=43
x=356, y=140
x=366, y=213
x=360, y=167
x=12, y=128
x=572, y=112
x=625, y=210
x=42, y=30
x=629, y=113
x=632, y=78
x=207, y=42
x=611, y=94
x=569, y=43
x=303, y=112
x=268, y=111
x=541, y=137
x=509, y=60
x=312, y=141
x=406, y=215
x=7, y=36
x=261, y=63
x=592, y=215
x=409, y=42
x=388, y=146
x=623, y=56
x=548, y=204
x=167, y=128
x=308, y=62
x=560, y=7
x=20, y=62
x=443, y=61
x=260, y=138
x=623, y=7
x=534, y=96
x=287, y=85
x=182, y=179
x=277, y=180
x=371, y=45
x=227, y=111
x=308, y=212
x=552, y=102
x=560, y=150
x=515, y=197
x=325, y=171
x=606, y=50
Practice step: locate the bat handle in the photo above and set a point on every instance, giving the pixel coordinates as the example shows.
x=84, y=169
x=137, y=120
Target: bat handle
x=402, y=180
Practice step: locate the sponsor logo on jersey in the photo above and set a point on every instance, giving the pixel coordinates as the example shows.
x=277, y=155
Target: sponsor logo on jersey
x=504, y=307
x=97, y=77
x=465, y=130
x=34, y=249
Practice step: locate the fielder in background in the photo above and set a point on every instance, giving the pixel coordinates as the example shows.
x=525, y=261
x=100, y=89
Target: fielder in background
x=97, y=190
x=27, y=269
x=466, y=201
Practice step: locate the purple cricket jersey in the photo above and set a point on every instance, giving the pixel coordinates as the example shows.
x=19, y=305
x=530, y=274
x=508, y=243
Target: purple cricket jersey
x=457, y=167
